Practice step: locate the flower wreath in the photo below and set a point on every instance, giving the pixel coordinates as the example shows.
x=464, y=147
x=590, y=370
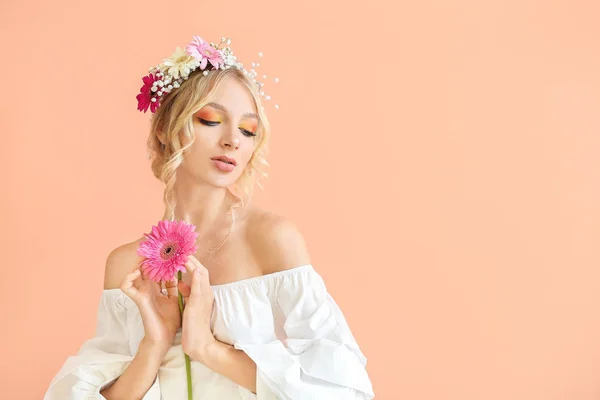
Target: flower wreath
x=198, y=54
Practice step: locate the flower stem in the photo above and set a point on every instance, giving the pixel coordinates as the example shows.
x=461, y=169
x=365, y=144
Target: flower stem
x=187, y=358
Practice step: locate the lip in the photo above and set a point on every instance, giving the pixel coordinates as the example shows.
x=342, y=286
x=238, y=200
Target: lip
x=225, y=159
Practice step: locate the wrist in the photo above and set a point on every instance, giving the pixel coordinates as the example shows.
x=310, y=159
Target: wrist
x=155, y=346
x=204, y=352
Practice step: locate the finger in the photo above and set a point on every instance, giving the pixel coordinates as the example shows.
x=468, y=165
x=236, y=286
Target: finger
x=133, y=276
x=171, y=287
x=140, y=267
x=195, y=290
x=184, y=289
x=155, y=287
x=128, y=283
x=197, y=262
x=193, y=263
x=190, y=265
x=147, y=280
x=170, y=283
x=144, y=276
x=136, y=278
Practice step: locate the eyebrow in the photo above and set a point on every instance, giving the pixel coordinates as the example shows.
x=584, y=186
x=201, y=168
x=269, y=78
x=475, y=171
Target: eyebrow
x=222, y=108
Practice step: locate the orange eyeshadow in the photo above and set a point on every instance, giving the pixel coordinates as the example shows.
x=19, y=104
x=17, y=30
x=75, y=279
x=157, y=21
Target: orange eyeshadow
x=249, y=126
x=210, y=115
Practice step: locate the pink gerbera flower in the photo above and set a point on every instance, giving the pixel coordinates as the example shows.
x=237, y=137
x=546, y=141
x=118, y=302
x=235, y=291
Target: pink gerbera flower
x=167, y=248
x=145, y=97
x=204, y=52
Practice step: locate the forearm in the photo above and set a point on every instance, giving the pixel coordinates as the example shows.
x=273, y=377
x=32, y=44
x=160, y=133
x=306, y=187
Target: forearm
x=231, y=363
x=140, y=375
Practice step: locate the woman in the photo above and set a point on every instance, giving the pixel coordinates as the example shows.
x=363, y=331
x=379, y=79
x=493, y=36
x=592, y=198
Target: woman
x=258, y=322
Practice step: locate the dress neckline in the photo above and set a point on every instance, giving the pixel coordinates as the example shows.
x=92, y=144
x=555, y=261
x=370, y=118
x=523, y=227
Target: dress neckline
x=247, y=281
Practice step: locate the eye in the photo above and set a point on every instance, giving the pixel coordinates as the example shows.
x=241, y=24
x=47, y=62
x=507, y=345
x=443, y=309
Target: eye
x=207, y=122
x=215, y=123
x=247, y=133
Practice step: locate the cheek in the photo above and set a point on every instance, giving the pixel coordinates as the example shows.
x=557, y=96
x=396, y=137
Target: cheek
x=247, y=150
x=205, y=138
x=197, y=154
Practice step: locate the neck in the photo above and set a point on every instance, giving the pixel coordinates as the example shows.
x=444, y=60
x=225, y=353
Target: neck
x=207, y=207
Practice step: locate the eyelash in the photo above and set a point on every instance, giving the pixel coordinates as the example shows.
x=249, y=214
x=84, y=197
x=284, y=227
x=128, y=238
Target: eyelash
x=215, y=123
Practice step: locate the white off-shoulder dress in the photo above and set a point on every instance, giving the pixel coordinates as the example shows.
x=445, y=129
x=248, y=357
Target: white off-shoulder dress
x=286, y=322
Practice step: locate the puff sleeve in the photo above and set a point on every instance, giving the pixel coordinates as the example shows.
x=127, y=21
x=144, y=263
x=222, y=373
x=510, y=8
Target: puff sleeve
x=320, y=358
x=101, y=359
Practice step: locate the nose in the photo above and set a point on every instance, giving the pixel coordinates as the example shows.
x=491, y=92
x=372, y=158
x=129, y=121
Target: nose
x=231, y=140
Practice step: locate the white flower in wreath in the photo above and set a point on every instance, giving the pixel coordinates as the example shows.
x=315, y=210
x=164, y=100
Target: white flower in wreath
x=180, y=64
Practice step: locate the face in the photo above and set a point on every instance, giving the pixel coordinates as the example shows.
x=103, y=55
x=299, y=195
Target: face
x=226, y=127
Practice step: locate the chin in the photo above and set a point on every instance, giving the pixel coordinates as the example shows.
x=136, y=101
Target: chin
x=222, y=182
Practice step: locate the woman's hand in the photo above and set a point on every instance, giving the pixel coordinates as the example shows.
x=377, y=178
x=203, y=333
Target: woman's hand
x=196, y=335
x=160, y=313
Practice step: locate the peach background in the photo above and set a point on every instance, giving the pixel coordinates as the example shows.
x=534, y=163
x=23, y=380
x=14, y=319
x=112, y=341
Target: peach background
x=441, y=159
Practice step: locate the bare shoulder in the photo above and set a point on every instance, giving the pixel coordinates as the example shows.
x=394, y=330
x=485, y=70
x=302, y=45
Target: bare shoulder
x=121, y=261
x=276, y=241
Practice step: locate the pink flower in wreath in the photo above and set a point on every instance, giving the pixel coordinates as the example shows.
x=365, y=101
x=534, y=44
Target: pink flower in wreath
x=145, y=97
x=204, y=52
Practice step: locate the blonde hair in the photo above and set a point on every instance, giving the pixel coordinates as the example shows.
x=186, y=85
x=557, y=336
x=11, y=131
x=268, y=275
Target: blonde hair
x=174, y=117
